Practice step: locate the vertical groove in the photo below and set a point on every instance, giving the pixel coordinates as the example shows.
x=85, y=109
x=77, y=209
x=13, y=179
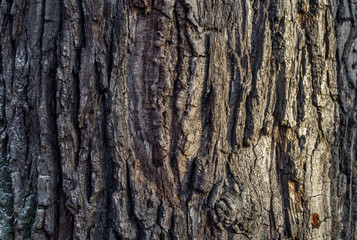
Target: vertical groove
x=178, y=119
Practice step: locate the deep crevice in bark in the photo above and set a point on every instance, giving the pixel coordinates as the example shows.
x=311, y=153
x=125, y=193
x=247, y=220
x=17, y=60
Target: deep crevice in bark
x=237, y=143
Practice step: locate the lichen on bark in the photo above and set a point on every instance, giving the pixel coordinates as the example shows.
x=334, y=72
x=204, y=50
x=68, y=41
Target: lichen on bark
x=6, y=200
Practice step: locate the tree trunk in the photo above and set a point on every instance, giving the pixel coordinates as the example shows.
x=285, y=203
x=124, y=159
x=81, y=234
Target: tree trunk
x=178, y=119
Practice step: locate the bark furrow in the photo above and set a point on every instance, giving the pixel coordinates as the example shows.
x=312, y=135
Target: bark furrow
x=178, y=119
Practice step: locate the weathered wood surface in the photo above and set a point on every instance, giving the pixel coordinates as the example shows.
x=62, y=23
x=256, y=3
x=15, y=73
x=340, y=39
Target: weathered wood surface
x=178, y=119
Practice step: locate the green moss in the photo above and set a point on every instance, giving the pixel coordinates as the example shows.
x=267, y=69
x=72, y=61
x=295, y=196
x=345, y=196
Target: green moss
x=6, y=200
x=28, y=205
x=29, y=211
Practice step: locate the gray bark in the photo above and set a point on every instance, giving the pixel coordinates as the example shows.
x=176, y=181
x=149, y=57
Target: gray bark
x=178, y=119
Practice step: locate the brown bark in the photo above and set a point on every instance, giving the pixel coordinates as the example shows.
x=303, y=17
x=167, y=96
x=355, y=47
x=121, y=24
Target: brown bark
x=178, y=119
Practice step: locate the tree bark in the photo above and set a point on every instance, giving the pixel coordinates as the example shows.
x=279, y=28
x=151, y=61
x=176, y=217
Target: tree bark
x=178, y=119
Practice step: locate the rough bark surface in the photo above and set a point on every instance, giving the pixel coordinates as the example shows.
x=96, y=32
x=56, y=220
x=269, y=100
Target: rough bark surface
x=178, y=119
